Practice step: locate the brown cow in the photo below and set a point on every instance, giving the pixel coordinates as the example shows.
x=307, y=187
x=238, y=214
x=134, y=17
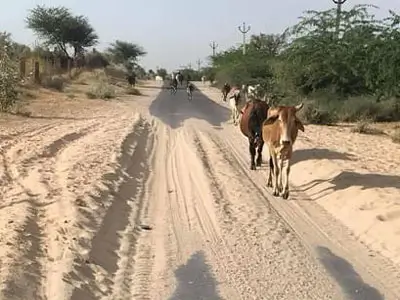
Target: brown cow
x=253, y=115
x=279, y=132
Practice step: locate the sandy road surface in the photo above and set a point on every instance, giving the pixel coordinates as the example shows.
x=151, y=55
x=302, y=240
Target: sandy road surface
x=151, y=198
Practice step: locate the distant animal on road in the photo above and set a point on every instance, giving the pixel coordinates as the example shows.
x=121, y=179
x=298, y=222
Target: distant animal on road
x=253, y=91
x=279, y=132
x=225, y=90
x=174, y=86
x=254, y=113
x=159, y=78
x=234, y=100
x=179, y=77
x=189, y=90
x=234, y=97
x=131, y=79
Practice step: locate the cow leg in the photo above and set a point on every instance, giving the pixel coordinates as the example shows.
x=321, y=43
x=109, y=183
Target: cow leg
x=285, y=179
x=271, y=170
x=280, y=169
x=259, y=152
x=236, y=115
x=275, y=173
x=252, y=150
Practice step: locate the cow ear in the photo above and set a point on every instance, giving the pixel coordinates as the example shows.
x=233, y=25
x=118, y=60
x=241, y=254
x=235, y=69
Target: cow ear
x=272, y=115
x=273, y=111
x=271, y=119
x=299, y=125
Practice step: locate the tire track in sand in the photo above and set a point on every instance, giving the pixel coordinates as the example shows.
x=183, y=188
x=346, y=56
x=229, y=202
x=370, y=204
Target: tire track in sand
x=60, y=247
x=129, y=268
x=94, y=273
x=132, y=281
x=182, y=198
x=179, y=227
x=317, y=228
x=152, y=255
x=267, y=253
x=26, y=271
x=10, y=141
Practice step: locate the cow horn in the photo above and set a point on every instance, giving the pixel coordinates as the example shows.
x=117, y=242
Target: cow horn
x=299, y=106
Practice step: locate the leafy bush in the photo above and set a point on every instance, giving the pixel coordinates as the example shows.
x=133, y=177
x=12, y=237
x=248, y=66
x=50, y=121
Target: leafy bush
x=116, y=72
x=133, y=91
x=8, y=74
x=313, y=114
x=96, y=60
x=346, y=75
x=101, y=90
x=54, y=82
x=396, y=136
x=364, y=127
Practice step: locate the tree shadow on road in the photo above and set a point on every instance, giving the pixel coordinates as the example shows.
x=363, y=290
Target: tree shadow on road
x=174, y=110
x=318, y=153
x=349, y=280
x=195, y=281
x=347, y=179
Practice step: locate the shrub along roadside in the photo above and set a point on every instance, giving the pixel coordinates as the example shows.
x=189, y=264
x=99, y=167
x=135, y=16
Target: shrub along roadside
x=101, y=90
x=345, y=76
x=8, y=74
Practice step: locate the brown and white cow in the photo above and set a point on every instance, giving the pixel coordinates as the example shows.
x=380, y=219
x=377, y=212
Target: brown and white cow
x=279, y=132
x=233, y=94
x=234, y=101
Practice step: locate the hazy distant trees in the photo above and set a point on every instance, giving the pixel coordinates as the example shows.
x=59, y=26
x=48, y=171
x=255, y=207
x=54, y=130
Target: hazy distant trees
x=125, y=53
x=162, y=72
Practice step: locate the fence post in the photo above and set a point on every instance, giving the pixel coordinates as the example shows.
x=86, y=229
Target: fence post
x=36, y=72
x=22, y=68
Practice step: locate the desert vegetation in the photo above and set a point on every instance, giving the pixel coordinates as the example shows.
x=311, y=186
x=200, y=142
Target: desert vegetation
x=348, y=74
x=65, y=51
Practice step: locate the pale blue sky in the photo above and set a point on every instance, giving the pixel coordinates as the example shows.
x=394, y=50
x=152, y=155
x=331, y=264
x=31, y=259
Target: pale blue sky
x=174, y=32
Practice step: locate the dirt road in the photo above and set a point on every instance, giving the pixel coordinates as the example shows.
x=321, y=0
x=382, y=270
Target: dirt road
x=151, y=198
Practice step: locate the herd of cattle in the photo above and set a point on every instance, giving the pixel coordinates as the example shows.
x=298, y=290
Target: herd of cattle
x=277, y=126
x=262, y=123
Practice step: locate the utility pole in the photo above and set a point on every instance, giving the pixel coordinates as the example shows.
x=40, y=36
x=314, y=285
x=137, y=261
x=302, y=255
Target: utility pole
x=244, y=30
x=339, y=4
x=198, y=64
x=213, y=46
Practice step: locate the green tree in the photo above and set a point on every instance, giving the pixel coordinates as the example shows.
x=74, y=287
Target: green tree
x=209, y=72
x=96, y=60
x=267, y=44
x=20, y=50
x=162, y=72
x=125, y=53
x=58, y=27
x=345, y=75
x=139, y=71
